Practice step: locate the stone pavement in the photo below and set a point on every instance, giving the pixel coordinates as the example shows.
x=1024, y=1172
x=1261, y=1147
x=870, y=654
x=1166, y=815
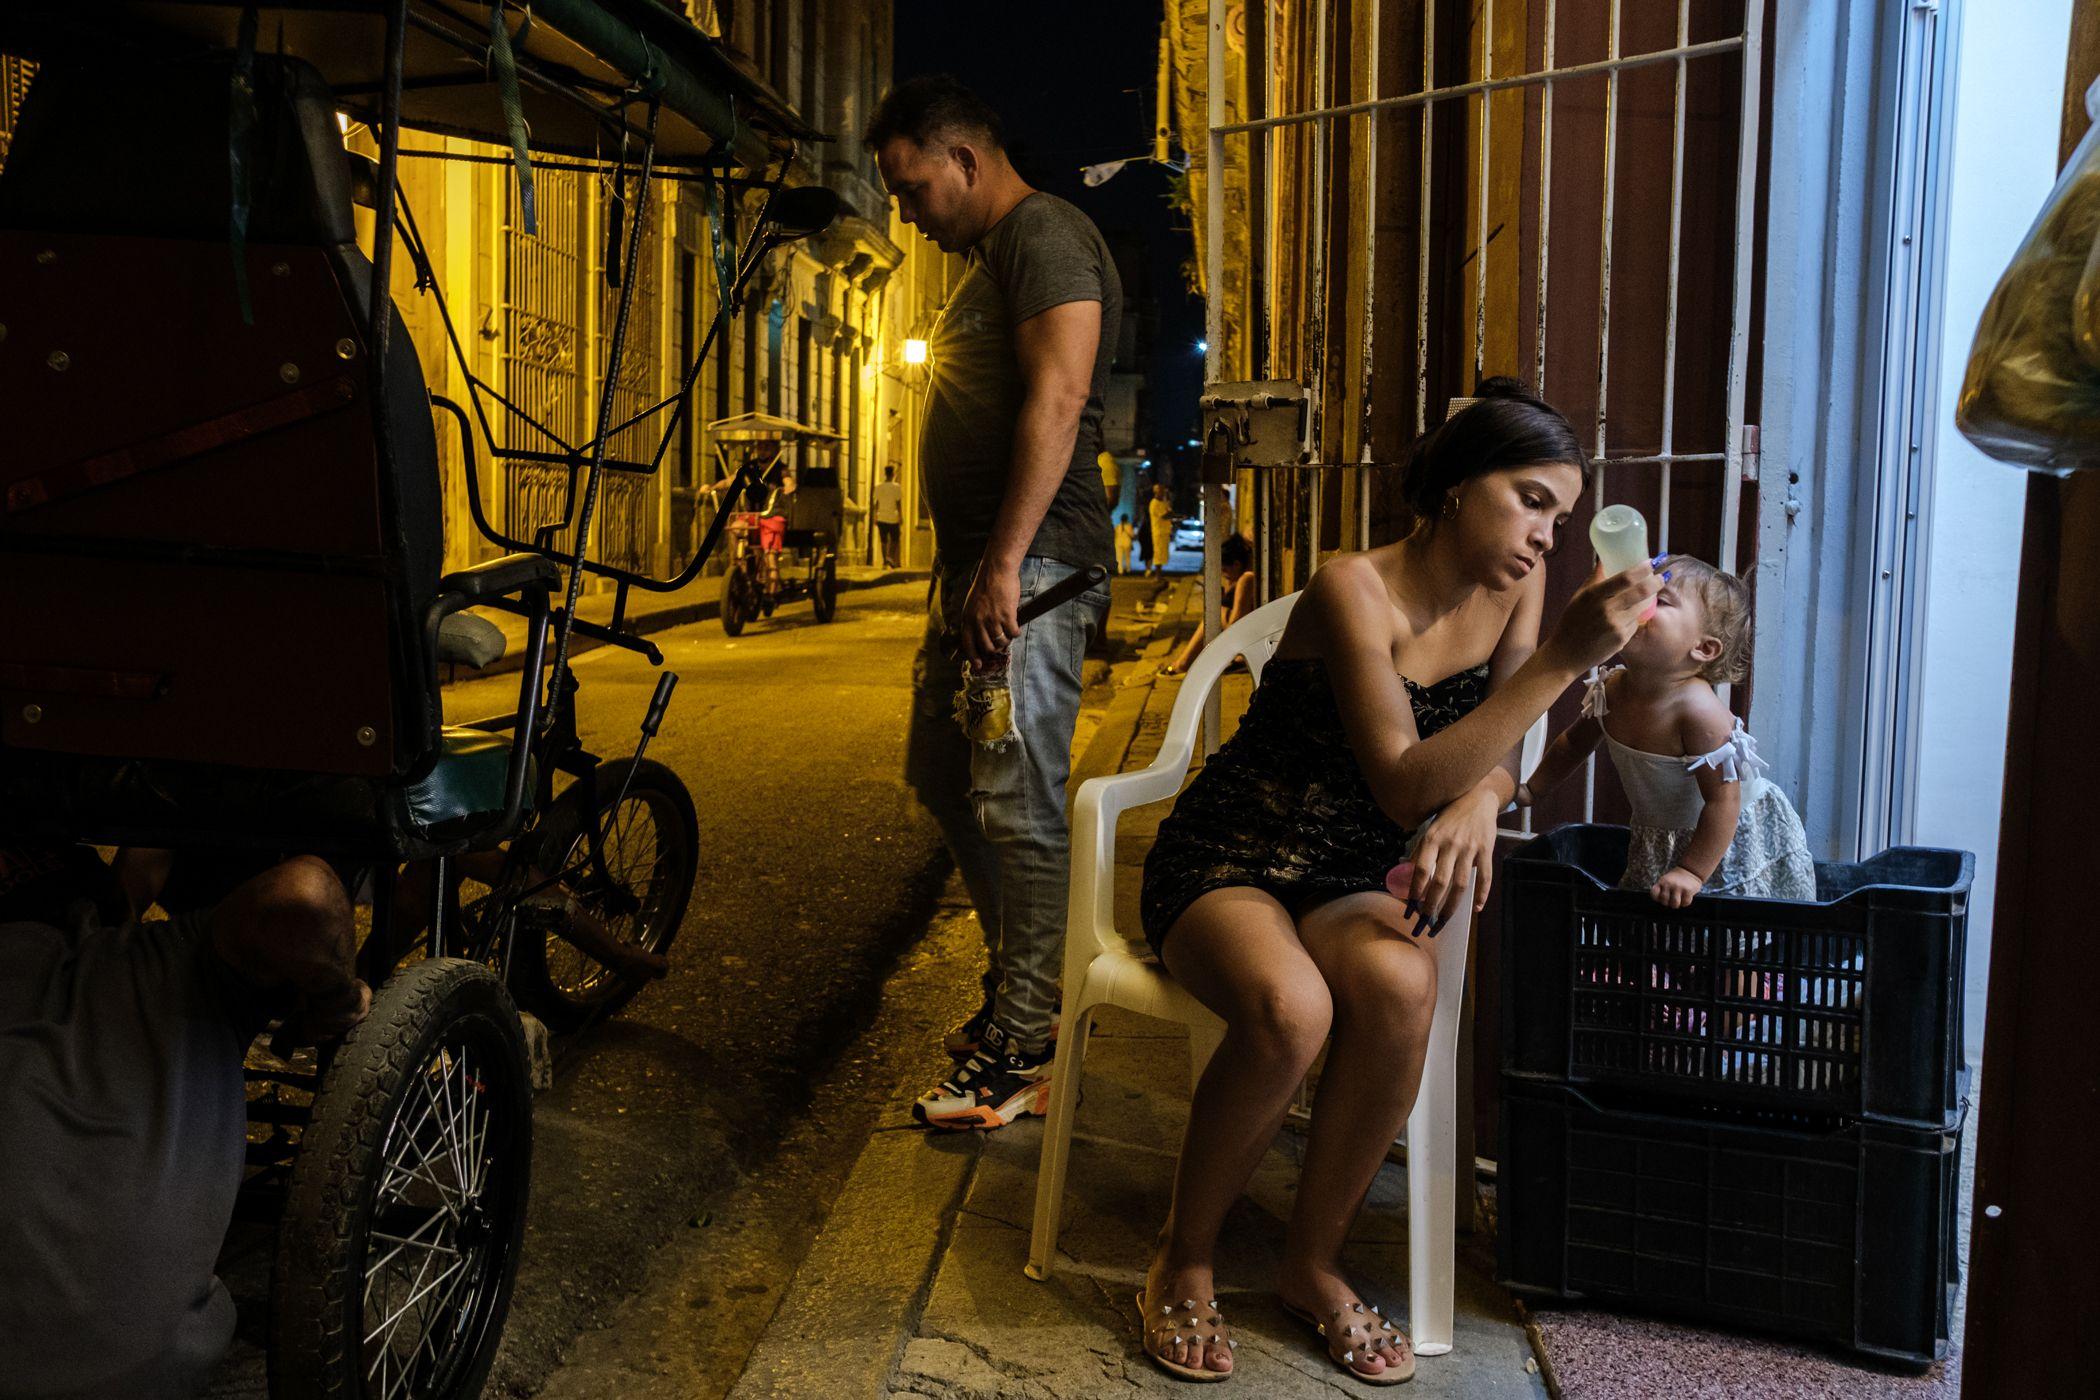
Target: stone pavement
x=915, y=1287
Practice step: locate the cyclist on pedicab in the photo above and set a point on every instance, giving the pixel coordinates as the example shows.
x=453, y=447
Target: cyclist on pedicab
x=766, y=502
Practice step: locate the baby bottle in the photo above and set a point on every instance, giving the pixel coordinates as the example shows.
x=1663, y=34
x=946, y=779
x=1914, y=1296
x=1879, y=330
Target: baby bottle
x=1620, y=536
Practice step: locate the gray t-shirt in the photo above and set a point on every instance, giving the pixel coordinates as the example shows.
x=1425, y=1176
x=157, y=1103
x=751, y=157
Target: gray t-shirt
x=1044, y=253
x=123, y=1119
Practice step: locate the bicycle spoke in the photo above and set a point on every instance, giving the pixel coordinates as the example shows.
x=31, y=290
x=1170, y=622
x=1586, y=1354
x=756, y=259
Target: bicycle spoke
x=414, y=1298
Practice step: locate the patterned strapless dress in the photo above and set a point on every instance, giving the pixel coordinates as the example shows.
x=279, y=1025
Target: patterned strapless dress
x=1282, y=806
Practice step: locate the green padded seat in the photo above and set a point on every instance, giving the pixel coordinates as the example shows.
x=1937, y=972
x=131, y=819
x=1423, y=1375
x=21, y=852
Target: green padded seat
x=466, y=786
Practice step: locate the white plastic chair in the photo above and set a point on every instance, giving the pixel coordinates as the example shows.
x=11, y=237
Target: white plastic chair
x=1106, y=968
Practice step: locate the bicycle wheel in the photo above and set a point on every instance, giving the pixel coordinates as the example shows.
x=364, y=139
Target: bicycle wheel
x=737, y=603
x=652, y=848
x=406, y=1206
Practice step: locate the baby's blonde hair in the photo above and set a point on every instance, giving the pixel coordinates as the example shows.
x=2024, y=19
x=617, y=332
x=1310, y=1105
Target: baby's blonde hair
x=1725, y=599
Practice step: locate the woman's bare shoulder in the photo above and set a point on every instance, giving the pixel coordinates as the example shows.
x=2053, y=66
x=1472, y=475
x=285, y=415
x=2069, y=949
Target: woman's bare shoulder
x=1346, y=596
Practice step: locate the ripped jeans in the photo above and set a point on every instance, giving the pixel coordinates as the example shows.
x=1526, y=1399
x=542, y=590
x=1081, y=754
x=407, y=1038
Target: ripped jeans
x=1002, y=810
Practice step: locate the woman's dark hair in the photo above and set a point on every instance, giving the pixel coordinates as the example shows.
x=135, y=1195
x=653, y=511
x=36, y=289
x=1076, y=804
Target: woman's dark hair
x=927, y=107
x=1236, y=550
x=1505, y=426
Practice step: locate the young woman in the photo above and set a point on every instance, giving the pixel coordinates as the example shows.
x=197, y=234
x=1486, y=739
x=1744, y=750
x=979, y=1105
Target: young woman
x=1397, y=700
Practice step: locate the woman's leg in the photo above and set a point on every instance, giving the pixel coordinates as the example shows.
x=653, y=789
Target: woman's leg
x=1384, y=986
x=1237, y=952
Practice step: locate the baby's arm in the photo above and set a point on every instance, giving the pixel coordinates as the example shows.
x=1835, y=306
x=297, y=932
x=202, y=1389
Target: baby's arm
x=1705, y=726
x=1562, y=757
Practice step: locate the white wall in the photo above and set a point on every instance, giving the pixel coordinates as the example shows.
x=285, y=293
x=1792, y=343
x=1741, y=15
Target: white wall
x=2010, y=84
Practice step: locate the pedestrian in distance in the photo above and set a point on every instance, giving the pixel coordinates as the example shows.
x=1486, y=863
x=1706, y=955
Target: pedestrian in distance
x=1122, y=560
x=888, y=505
x=1161, y=511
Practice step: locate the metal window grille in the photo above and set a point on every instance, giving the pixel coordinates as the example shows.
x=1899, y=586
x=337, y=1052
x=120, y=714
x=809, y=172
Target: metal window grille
x=1561, y=190
x=543, y=332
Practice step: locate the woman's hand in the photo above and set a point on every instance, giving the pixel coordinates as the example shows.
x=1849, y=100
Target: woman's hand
x=1602, y=616
x=1458, y=842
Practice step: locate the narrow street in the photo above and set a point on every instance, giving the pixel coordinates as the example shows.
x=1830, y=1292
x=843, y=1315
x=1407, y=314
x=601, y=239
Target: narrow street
x=690, y=1147
x=817, y=868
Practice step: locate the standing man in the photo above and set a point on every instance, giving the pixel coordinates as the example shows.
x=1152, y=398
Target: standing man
x=1013, y=422
x=888, y=502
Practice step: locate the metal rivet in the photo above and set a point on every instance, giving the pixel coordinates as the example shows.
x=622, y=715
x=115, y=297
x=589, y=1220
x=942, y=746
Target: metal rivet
x=59, y=360
x=345, y=348
x=288, y=372
x=45, y=257
x=367, y=735
x=283, y=269
x=32, y=713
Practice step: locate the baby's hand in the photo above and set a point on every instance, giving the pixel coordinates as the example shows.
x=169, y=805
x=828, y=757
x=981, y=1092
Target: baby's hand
x=1676, y=888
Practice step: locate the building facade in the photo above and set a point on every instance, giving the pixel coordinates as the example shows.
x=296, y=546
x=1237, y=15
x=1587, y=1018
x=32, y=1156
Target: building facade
x=818, y=337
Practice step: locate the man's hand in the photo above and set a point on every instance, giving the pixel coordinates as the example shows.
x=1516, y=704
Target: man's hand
x=990, y=613
x=1676, y=888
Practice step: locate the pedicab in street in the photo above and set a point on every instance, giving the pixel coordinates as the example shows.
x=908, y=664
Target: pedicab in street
x=222, y=603
x=798, y=557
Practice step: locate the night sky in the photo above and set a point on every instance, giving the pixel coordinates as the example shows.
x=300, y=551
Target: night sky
x=1074, y=84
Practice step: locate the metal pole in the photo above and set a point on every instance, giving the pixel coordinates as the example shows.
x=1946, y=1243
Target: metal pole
x=1315, y=513
x=1480, y=229
x=1545, y=224
x=1745, y=246
x=1524, y=818
x=1369, y=234
x=1669, y=414
x=1422, y=225
x=1214, y=332
x=1611, y=177
x=1739, y=327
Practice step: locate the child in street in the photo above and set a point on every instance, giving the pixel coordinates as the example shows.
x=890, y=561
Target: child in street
x=1123, y=537
x=1161, y=511
x=1705, y=819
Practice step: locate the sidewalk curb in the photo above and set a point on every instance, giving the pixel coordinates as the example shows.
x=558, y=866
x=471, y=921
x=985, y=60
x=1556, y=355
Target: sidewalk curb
x=663, y=619
x=865, y=1282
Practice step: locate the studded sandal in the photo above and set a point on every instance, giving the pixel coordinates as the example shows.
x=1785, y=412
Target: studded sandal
x=1360, y=1329
x=1174, y=1324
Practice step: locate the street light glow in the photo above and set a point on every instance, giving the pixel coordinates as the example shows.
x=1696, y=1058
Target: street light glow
x=1203, y=347
x=915, y=352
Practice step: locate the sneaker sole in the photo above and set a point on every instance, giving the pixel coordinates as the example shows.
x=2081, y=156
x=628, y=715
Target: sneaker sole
x=1035, y=1099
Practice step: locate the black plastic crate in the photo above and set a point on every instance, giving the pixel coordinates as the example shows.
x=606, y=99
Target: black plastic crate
x=1850, y=1006
x=1842, y=1234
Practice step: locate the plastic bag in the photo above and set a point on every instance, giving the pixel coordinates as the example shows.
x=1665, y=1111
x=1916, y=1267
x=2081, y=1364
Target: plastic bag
x=2031, y=394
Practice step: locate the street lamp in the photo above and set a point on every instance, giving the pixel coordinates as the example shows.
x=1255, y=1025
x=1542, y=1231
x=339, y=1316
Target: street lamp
x=915, y=352
x=1203, y=347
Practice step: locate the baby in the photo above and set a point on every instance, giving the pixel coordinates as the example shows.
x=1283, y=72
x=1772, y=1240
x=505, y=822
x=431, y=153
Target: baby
x=1705, y=820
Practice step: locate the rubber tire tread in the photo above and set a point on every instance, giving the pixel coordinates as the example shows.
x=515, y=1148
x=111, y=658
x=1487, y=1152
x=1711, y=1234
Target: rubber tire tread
x=528, y=963
x=311, y=1332
x=824, y=596
x=735, y=609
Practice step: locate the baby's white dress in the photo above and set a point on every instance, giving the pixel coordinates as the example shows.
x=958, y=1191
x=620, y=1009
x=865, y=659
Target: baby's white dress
x=1769, y=857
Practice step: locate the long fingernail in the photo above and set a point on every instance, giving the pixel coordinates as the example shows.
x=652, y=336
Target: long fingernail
x=1657, y=561
x=1666, y=575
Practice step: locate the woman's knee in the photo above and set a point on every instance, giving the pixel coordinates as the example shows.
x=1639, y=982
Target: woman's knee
x=1288, y=1017
x=1391, y=987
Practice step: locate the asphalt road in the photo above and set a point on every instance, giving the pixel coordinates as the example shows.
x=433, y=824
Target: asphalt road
x=817, y=870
